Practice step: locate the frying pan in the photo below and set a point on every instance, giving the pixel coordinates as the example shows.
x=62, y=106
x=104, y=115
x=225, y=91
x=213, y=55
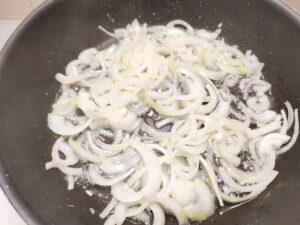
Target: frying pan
x=58, y=30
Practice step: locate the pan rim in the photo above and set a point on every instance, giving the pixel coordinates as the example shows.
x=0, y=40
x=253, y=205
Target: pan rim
x=11, y=192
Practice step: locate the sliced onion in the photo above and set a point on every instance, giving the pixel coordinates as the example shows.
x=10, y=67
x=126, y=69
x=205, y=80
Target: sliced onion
x=158, y=214
x=290, y=114
x=65, y=169
x=137, y=208
x=252, y=133
x=259, y=104
x=263, y=117
x=84, y=154
x=257, y=176
x=109, y=207
x=71, y=182
x=61, y=146
x=99, y=179
x=58, y=125
x=170, y=205
x=272, y=142
x=153, y=181
x=234, y=199
x=235, y=186
x=294, y=136
x=212, y=177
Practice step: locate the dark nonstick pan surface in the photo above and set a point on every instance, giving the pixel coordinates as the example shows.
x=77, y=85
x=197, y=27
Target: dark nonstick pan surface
x=56, y=32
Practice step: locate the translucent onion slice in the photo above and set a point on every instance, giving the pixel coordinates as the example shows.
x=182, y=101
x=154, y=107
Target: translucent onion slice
x=259, y=174
x=84, y=154
x=233, y=199
x=268, y=128
x=58, y=125
x=61, y=146
x=294, y=136
x=170, y=205
x=272, y=142
x=99, y=179
x=235, y=186
x=109, y=207
x=137, y=207
x=212, y=176
x=158, y=214
x=154, y=177
x=65, y=169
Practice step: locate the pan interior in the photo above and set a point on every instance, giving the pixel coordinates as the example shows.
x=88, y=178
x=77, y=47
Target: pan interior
x=59, y=30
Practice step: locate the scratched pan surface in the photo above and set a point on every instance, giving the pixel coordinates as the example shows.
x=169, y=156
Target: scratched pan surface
x=56, y=32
